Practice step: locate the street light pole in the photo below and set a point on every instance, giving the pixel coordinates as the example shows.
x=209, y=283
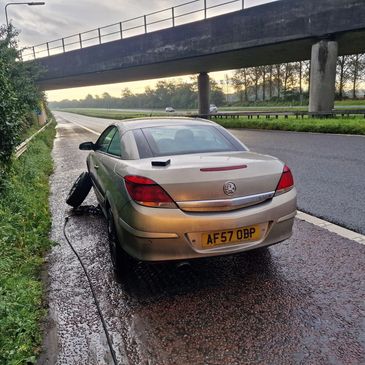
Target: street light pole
x=33, y=3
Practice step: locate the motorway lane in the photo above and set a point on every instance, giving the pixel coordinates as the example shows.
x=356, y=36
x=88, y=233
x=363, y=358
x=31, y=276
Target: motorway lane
x=302, y=302
x=96, y=124
x=329, y=170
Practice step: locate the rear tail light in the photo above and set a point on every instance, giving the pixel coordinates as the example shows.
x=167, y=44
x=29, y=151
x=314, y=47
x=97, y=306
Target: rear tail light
x=286, y=181
x=147, y=192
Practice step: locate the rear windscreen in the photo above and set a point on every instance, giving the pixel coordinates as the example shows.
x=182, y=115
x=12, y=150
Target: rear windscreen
x=177, y=140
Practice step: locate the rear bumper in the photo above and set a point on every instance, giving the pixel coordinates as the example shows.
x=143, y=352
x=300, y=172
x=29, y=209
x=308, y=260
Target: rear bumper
x=155, y=234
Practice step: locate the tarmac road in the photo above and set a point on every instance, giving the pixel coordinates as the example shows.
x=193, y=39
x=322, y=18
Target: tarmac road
x=329, y=170
x=301, y=302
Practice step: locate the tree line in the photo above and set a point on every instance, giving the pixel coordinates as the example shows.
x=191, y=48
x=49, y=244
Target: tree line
x=176, y=93
x=288, y=82
x=291, y=81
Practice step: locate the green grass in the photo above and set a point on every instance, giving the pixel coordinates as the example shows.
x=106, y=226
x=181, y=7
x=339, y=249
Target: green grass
x=357, y=102
x=285, y=105
x=24, y=228
x=273, y=108
x=351, y=125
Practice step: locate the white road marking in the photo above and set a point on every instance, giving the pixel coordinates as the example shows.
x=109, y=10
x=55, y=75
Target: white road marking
x=331, y=227
x=86, y=128
x=341, y=231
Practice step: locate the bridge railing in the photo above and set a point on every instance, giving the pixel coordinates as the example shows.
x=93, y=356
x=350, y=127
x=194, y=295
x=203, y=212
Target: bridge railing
x=188, y=12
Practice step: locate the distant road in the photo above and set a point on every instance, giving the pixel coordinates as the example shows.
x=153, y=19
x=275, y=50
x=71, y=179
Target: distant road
x=227, y=110
x=96, y=124
x=329, y=170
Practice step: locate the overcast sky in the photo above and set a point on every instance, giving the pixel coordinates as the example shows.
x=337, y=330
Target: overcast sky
x=60, y=18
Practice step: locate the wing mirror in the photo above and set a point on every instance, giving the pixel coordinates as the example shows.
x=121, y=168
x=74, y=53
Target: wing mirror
x=87, y=146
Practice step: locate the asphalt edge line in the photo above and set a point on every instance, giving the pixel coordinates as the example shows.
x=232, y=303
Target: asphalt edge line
x=331, y=227
x=334, y=228
x=86, y=128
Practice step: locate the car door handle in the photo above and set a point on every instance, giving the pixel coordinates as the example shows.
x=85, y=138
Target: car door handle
x=96, y=166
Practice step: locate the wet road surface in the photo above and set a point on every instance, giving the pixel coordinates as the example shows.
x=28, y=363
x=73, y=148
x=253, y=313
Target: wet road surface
x=329, y=170
x=300, y=302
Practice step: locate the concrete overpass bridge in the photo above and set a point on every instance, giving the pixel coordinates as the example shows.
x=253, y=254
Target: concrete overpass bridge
x=277, y=32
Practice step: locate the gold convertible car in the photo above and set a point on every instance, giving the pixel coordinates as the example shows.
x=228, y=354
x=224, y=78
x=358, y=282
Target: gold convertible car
x=184, y=188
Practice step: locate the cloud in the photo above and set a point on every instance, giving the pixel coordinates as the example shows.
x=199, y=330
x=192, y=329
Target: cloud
x=60, y=18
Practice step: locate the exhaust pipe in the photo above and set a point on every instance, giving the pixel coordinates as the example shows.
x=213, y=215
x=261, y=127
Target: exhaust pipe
x=182, y=265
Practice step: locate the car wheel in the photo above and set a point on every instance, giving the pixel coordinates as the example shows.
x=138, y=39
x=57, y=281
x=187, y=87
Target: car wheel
x=121, y=261
x=79, y=190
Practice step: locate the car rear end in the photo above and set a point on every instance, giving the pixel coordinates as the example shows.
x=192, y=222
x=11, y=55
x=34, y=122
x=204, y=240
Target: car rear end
x=174, y=234
x=186, y=206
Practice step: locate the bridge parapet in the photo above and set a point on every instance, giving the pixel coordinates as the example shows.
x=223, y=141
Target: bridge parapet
x=278, y=32
x=187, y=12
x=273, y=33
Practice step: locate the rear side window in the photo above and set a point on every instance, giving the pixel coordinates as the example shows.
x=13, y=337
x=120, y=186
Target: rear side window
x=114, y=146
x=105, y=139
x=177, y=140
x=144, y=150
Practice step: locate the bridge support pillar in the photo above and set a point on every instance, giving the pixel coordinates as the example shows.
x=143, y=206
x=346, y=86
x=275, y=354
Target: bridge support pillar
x=323, y=76
x=203, y=91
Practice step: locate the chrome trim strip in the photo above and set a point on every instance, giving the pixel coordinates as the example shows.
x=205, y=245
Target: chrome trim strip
x=224, y=204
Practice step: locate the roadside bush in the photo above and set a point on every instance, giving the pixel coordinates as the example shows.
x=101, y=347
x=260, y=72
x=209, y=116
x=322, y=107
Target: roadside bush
x=10, y=116
x=19, y=96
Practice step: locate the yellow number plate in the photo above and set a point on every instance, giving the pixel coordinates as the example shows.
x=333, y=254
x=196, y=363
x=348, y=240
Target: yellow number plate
x=239, y=235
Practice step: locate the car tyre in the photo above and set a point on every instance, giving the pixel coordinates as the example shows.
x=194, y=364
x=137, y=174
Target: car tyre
x=79, y=191
x=121, y=261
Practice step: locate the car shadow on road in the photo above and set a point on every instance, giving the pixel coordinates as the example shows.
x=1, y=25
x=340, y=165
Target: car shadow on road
x=152, y=281
x=148, y=282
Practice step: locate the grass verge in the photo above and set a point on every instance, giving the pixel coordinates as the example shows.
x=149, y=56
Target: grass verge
x=350, y=125
x=24, y=227
x=286, y=105
x=351, y=102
